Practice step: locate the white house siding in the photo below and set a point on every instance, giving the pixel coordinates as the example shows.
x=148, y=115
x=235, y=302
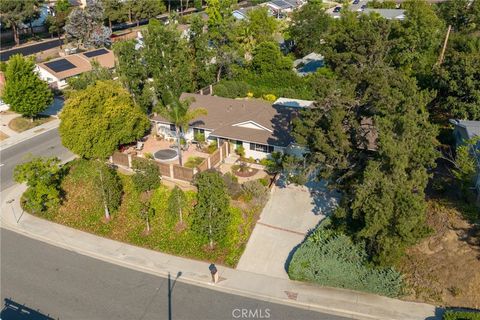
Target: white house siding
x=258, y=154
x=50, y=78
x=164, y=129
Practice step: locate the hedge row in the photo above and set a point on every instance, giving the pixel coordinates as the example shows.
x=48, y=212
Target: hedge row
x=461, y=315
x=332, y=259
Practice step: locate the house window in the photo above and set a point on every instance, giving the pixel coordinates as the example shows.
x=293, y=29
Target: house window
x=198, y=134
x=261, y=147
x=172, y=127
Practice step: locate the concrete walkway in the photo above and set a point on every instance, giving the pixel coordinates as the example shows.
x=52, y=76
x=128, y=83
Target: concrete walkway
x=329, y=300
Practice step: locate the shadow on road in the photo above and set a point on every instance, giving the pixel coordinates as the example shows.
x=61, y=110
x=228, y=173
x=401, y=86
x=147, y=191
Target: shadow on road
x=15, y=311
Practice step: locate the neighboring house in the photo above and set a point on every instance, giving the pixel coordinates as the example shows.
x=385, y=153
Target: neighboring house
x=258, y=126
x=280, y=8
x=242, y=13
x=308, y=64
x=57, y=71
x=389, y=14
x=465, y=130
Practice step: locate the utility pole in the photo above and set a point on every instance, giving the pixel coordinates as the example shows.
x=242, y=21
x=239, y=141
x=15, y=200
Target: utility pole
x=442, y=54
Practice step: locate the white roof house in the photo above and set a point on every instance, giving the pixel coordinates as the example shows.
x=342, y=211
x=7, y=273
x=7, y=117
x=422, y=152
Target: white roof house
x=389, y=14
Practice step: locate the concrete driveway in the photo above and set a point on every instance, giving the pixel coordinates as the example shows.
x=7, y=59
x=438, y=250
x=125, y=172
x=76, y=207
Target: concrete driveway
x=288, y=216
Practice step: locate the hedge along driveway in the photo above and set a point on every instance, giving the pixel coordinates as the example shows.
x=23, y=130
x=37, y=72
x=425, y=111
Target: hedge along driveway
x=289, y=214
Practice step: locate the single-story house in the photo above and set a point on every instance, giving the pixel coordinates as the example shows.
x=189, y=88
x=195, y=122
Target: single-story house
x=465, y=130
x=283, y=7
x=308, y=64
x=258, y=126
x=57, y=71
x=389, y=14
x=241, y=13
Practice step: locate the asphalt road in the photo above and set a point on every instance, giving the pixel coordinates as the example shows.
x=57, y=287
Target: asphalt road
x=48, y=282
x=31, y=49
x=45, y=144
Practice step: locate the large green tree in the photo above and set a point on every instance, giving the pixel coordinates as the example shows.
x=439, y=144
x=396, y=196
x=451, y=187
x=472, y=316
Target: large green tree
x=458, y=79
x=309, y=26
x=43, y=177
x=258, y=27
x=14, y=12
x=211, y=213
x=57, y=21
x=267, y=57
x=132, y=72
x=372, y=139
x=144, y=9
x=24, y=91
x=203, y=69
x=221, y=27
x=95, y=121
x=114, y=11
x=168, y=61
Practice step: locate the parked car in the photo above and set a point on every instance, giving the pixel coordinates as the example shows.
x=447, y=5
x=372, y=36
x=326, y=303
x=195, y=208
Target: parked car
x=337, y=9
x=356, y=1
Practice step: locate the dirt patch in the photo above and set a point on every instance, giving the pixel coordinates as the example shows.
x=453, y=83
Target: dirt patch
x=445, y=267
x=3, y=136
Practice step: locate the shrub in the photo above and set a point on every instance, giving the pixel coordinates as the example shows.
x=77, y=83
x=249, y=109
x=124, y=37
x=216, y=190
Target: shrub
x=193, y=162
x=240, y=150
x=255, y=192
x=212, y=147
x=148, y=155
x=461, y=315
x=231, y=89
x=43, y=177
x=233, y=187
x=332, y=259
x=147, y=175
x=264, y=181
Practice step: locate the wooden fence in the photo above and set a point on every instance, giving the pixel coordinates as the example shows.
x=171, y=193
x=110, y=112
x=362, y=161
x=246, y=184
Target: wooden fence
x=174, y=171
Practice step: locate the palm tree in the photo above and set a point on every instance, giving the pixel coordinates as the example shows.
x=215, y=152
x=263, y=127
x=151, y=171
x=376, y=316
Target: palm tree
x=178, y=112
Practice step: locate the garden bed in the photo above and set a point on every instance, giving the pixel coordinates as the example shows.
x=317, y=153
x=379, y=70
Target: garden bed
x=82, y=209
x=243, y=170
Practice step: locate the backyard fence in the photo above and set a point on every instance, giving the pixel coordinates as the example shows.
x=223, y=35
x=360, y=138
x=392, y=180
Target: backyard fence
x=174, y=171
x=215, y=158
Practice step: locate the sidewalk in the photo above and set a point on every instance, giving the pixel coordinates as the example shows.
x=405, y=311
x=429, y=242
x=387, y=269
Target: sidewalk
x=27, y=134
x=334, y=301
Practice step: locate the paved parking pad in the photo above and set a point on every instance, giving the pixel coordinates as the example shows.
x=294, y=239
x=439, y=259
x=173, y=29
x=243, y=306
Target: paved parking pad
x=288, y=216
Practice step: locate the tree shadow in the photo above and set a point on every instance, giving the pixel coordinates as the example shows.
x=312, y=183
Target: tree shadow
x=324, y=199
x=16, y=311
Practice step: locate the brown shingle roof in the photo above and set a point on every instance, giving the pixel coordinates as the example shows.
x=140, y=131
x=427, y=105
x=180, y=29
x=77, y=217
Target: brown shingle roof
x=224, y=113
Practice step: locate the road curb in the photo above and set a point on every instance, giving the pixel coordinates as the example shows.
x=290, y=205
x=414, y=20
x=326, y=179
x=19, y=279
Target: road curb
x=29, y=134
x=361, y=304
x=208, y=285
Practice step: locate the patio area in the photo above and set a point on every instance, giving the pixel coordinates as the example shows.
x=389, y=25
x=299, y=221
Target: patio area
x=152, y=145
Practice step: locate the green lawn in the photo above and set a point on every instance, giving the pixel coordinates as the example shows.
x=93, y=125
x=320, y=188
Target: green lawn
x=21, y=124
